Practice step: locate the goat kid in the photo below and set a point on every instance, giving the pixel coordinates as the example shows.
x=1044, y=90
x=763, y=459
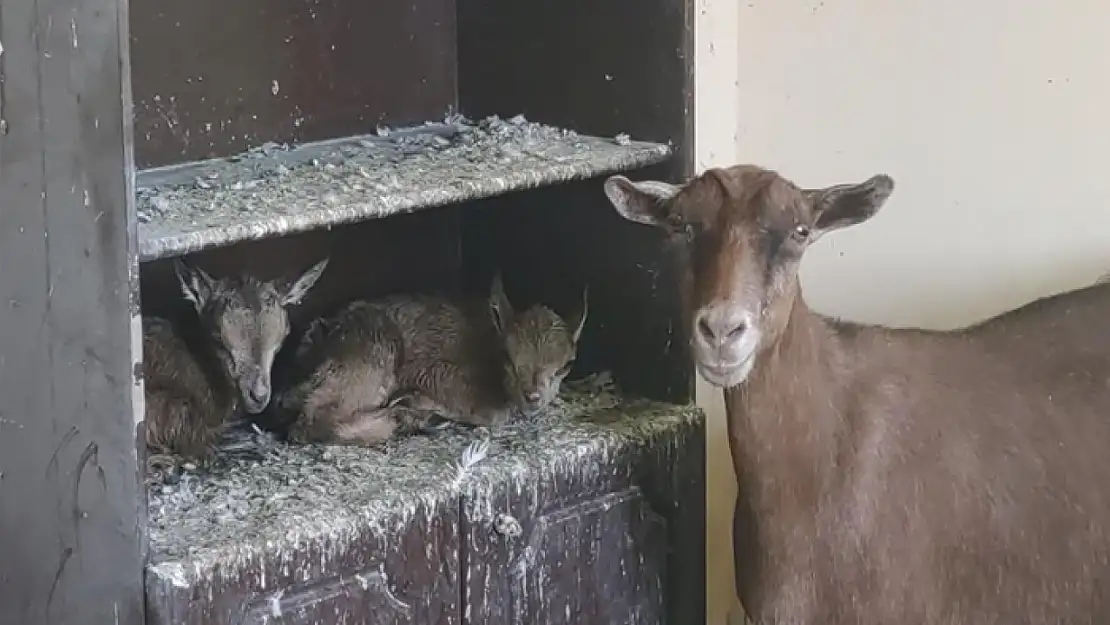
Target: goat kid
x=195, y=389
x=886, y=475
x=393, y=365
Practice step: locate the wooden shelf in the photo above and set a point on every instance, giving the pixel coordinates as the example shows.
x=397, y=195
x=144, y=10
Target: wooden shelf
x=244, y=528
x=276, y=190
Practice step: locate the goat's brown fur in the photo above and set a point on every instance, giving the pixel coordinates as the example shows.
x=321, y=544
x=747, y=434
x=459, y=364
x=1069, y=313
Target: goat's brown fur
x=186, y=406
x=381, y=366
x=245, y=321
x=891, y=476
x=200, y=374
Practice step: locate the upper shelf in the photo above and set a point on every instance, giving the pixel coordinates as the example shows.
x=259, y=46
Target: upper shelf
x=275, y=190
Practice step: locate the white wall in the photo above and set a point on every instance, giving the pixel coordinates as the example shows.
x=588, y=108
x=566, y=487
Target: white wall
x=992, y=117
x=717, y=100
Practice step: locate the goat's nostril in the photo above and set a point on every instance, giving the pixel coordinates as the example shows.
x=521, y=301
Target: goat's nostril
x=720, y=327
x=705, y=329
x=737, y=331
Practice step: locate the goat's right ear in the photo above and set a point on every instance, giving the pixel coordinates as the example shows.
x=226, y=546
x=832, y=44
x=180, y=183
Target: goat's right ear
x=645, y=202
x=846, y=205
x=500, y=309
x=299, y=288
x=196, y=285
x=577, y=321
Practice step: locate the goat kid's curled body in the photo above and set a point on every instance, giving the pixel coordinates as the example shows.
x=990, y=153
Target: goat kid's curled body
x=383, y=366
x=198, y=381
x=891, y=476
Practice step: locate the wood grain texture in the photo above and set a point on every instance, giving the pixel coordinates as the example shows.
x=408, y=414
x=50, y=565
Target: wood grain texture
x=407, y=574
x=213, y=78
x=615, y=538
x=72, y=517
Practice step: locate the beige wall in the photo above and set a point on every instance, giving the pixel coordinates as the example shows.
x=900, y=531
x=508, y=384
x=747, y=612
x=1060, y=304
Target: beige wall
x=992, y=117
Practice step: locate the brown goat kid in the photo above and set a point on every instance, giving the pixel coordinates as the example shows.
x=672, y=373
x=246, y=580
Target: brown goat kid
x=198, y=380
x=891, y=476
x=389, y=366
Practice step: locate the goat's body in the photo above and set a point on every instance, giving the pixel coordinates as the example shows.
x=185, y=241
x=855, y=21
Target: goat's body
x=453, y=360
x=905, y=476
x=890, y=476
x=350, y=368
x=442, y=356
x=187, y=403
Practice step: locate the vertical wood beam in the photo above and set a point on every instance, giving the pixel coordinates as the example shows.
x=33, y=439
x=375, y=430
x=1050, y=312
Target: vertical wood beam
x=71, y=503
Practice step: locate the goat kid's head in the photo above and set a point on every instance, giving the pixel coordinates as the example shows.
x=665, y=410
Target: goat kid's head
x=540, y=346
x=745, y=229
x=247, y=321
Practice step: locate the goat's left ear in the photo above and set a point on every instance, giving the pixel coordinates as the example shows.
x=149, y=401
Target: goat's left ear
x=196, y=285
x=844, y=205
x=500, y=309
x=296, y=291
x=577, y=321
x=644, y=202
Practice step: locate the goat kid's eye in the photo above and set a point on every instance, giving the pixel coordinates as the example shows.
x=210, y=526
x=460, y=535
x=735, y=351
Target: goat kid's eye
x=801, y=232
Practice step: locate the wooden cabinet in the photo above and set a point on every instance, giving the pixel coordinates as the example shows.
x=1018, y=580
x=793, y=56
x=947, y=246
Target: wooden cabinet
x=260, y=136
x=565, y=520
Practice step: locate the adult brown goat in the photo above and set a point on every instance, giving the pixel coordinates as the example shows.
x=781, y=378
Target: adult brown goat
x=891, y=476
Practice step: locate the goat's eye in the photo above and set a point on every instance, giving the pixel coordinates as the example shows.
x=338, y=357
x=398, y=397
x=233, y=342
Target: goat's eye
x=801, y=232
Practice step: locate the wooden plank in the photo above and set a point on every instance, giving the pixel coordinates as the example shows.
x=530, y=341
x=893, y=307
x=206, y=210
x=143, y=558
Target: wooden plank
x=273, y=191
x=213, y=78
x=389, y=569
x=596, y=520
x=71, y=518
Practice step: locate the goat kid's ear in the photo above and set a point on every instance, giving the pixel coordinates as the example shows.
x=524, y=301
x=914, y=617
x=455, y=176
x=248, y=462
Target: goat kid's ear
x=196, y=285
x=647, y=202
x=577, y=321
x=500, y=310
x=298, y=289
x=844, y=205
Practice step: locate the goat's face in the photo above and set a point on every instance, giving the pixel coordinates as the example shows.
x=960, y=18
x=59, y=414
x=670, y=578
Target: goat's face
x=247, y=321
x=745, y=229
x=540, y=347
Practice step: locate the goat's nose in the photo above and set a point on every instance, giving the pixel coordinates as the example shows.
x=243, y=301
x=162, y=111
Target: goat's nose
x=721, y=326
x=533, y=397
x=259, y=392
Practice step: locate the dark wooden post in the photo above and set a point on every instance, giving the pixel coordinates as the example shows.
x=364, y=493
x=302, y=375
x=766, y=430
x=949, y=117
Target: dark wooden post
x=71, y=506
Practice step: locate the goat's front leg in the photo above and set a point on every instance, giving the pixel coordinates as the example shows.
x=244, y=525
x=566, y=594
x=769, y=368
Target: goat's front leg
x=377, y=425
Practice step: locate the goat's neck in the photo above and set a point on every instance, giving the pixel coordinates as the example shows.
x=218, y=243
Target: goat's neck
x=785, y=420
x=222, y=390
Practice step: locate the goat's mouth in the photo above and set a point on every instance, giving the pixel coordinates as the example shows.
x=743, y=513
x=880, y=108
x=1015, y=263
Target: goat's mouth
x=725, y=375
x=255, y=405
x=529, y=408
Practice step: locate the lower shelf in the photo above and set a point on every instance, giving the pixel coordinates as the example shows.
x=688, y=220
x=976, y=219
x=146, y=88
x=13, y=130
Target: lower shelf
x=401, y=535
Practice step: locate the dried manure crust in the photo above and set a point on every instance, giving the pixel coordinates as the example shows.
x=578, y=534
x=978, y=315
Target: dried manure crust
x=241, y=511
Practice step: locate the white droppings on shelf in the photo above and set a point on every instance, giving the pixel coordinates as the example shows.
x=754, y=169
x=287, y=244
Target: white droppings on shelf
x=249, y=515
x=275, y=190
x=275, y=604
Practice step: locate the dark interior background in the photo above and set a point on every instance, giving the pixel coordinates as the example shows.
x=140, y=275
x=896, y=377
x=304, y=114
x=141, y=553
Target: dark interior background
x=212, y=78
